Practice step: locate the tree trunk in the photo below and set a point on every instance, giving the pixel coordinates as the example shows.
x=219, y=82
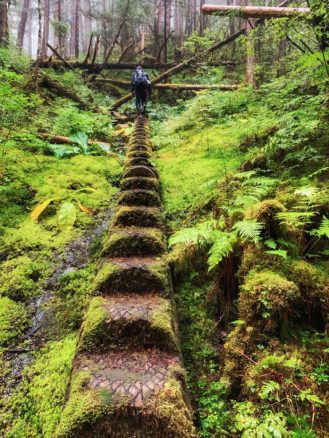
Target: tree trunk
x=4, y=30
x=255, y=11
x=74, y=44
x=183, y=87
x=45, y=34
x=22, y=24
x=251, y=59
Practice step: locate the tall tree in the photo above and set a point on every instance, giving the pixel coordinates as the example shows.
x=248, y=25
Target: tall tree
x=45, y=33
x=22, y=24
x=4, y=29
x=75, y=28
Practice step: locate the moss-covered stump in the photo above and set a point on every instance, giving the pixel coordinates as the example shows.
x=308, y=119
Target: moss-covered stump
x=138, y=217
x=127, y=395
x=141, y=183
x=146, y=198
x=134, y=242
x=144, y=171
x=129, y=321
x=132, y=275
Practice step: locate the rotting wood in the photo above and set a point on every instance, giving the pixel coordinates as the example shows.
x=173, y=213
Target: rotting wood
x=182, y=87
x=64, y=61
x=255, y=11
x=67, y=140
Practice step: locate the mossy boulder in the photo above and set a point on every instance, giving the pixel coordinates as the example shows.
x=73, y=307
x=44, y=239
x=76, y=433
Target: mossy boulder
x=266, y=212
x=139, y=171
x=138, y=217
x=135, y=275
x=134, y=242
x=267, y=299
x=137, y=322
x=147, y=198
x=118, y=395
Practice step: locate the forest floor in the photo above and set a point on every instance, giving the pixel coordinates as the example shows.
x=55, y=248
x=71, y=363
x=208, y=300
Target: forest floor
x=245, y=185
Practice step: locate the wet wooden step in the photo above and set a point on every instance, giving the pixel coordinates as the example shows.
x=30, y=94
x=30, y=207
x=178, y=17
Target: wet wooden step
x=138, y=217
x=129, y=322
x=147, y=198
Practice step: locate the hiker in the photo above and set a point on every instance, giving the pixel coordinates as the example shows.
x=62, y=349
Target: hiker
x=141, y=87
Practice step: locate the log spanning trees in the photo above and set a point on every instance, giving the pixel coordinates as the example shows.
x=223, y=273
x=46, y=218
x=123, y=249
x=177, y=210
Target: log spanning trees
x=127, y=378
x=249, y=13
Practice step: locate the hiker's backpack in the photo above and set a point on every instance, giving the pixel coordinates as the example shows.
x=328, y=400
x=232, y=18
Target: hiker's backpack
x=141, y=79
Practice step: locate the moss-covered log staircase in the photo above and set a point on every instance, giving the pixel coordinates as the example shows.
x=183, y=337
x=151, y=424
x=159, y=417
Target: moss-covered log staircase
x=127, y=378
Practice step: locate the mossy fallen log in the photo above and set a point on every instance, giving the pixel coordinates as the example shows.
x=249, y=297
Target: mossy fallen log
x=264, y=12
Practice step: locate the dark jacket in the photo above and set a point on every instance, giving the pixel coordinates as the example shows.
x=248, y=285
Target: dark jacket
x=134, y=86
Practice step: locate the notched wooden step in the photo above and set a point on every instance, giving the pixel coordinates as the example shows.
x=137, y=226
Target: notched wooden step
x=137, y=217
x=140, y=161
x=140, y=182
x=129, y=322
x=134, y=242
x=138, y=147
x=147, y=198
x=139, y=154
x=133, y=171
x=125, y=395
x=141, y=275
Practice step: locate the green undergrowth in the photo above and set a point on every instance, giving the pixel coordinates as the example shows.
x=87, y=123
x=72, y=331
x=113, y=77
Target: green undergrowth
x=36, y=407
x=51, y=195
x=244, y=181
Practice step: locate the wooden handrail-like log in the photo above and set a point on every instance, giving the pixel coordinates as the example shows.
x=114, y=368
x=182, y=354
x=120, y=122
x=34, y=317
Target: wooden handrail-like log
x=255, y=11
x=193, y=87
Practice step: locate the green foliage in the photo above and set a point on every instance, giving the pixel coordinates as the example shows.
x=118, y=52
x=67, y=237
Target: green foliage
x=21, y=278
x=36, y=407
x=13, y=320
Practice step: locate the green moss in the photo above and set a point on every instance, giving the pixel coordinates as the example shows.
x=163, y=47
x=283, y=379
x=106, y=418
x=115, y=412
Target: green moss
x=134, y=242
x=149, y=277
x=36, y=406
x=13, y=321
x=20, y=278
x=265, y=212
x=93, y=329
x=267, y=296
x=137, y=217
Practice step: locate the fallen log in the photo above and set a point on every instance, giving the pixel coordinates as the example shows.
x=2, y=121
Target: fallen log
x=264, y=12
x=183, y=87
x=60, y=90
x=56, y=64
x=56, y=52
x=66, y=140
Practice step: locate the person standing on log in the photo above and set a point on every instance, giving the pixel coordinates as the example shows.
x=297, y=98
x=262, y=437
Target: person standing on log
x=141, y=88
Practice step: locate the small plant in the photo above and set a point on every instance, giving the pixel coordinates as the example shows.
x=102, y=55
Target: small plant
x=67, y=212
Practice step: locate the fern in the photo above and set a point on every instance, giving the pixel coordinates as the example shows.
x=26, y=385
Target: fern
x=249, y=230
x=269, y=390
x=295, y=219
x=323, y=230
x=221, y=249
x=200, y=235
x=279, y=252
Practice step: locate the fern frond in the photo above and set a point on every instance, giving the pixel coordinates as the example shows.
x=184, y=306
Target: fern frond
x=221, y=249
x=249, y=229
x=295, y=219
x=279, y=252
x=307, y=192
x=323, y=230
x=202, y=234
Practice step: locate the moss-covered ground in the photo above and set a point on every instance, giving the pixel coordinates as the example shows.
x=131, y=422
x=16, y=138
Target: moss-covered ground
x=52, y=195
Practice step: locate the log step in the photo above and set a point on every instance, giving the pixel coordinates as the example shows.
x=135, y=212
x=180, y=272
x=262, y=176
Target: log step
x=147, y=198
x=127, y=394
x=128, y=322
x=148, y=217
x=141, y=275
x=143, y=171
x=134, y=242
x=141, y=183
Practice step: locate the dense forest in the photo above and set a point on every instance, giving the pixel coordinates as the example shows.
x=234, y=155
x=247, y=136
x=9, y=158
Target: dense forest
x=166, y=274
